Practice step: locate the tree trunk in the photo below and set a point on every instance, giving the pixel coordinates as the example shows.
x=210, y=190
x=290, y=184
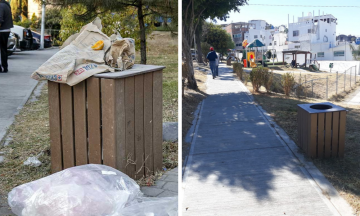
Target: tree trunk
x=198, y=47
x=188, y=61
x=142, y=34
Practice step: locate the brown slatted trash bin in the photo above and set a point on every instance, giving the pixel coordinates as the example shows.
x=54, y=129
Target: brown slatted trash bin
x=321, y=129
x=113, y=119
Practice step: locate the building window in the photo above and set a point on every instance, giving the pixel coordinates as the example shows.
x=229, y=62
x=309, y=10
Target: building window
x=339, y=53
x=296, y=47
x=296, y=33
x=274, y=42
x=255, y=36
x=325, y=30
x=270, y=44
x=309, y=30
x=320, y=54
x=260, y=36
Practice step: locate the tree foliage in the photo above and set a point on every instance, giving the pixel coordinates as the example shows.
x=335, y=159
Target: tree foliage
x=19, y=10
x=143, y=10
x=218, y=38
x=123, y=22
x=194, y=12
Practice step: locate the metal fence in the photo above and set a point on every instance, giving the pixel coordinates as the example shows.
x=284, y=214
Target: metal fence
x=333, y=84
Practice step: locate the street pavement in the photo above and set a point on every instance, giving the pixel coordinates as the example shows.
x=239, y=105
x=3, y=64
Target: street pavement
x=237, y=164
x=16, y=86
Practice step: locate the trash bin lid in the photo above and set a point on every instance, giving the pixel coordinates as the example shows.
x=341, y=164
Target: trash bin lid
x=135, y=70
x=321, y=107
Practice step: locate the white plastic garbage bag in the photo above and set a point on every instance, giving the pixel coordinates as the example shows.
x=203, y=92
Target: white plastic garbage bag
x=77, y=191
x=87, y=190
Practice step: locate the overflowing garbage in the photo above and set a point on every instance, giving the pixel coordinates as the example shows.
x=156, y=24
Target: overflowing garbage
x=87, y=190
x=87, y=53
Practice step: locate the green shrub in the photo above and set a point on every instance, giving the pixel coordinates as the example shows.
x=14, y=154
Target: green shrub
x=237, y=68
x=288, y=82
x=256, y=78
x=267, y=78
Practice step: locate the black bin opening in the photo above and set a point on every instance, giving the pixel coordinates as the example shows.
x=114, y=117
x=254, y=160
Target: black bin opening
x=321, y=106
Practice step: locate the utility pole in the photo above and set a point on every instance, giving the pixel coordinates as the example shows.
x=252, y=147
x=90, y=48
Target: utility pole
x=42, y=26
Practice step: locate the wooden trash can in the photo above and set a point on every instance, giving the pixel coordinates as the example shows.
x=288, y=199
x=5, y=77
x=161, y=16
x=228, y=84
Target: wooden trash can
x=113, y=119
x=321, y=129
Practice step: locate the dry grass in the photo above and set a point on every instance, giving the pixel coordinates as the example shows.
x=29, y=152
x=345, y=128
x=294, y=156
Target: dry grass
x=191, y=100
x=30, y=131
x=344, y=173
x=318, y=89
x=163, y=50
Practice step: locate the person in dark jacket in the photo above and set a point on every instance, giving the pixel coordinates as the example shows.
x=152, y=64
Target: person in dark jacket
x=6, y=23
x=211, y=56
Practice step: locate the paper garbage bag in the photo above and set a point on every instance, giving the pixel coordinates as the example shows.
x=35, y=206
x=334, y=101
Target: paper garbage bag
x=77, y=61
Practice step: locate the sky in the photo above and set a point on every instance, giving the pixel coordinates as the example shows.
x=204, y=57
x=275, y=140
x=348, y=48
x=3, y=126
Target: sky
x=347, y=18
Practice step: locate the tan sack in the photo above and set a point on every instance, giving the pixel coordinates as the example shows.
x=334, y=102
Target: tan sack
x=77, y=61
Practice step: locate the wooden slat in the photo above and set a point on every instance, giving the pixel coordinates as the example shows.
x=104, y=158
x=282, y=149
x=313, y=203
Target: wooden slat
x=148, y=122
x=302, y=131
x=55, y=126
x=157, y=119
x=81, y=152
x=94, y=120
x=328, y=122
x=130, y=123
x=312, y=125
x=120, y=126
x=139, y=125
x=342, y=129
x=108, y=121
x=320, y=136
x=305, y=131
x=67, y=126
x=335, y=135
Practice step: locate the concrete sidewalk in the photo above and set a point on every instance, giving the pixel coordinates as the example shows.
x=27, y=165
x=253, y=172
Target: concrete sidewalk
x=237, y=164
x=16, y=86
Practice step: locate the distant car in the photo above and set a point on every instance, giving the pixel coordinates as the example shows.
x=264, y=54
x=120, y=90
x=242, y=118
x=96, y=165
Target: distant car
x=47, y=39
x=12, y=43
x=35, y=44
x=25, y=38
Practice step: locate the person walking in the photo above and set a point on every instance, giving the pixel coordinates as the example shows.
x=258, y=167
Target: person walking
x=217, y=66
x=211, y=56
x=6, y=23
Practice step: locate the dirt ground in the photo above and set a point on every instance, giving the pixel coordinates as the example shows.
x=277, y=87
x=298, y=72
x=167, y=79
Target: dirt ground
x=191, y=100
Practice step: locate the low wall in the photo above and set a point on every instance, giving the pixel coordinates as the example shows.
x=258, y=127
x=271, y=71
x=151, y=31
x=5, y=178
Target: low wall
x=339, y=66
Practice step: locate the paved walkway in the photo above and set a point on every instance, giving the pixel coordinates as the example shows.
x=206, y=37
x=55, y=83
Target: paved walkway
x=354, y=98
x=16, y=86
x=238, y=166
x=166, y=186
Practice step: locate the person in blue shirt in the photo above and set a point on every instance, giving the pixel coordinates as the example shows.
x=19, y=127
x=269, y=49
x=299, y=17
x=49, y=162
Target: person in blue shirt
x=211, y=56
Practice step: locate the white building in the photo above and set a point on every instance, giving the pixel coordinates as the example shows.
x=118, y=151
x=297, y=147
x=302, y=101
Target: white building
x=317, y=34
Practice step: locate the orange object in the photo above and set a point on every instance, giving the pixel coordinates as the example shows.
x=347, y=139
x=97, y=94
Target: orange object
x=245, y=43
x=98, y=45
x=245, y=63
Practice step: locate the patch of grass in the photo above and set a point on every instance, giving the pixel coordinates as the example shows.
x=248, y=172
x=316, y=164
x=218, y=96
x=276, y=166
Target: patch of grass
x=30, y=134
x=344, y=173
